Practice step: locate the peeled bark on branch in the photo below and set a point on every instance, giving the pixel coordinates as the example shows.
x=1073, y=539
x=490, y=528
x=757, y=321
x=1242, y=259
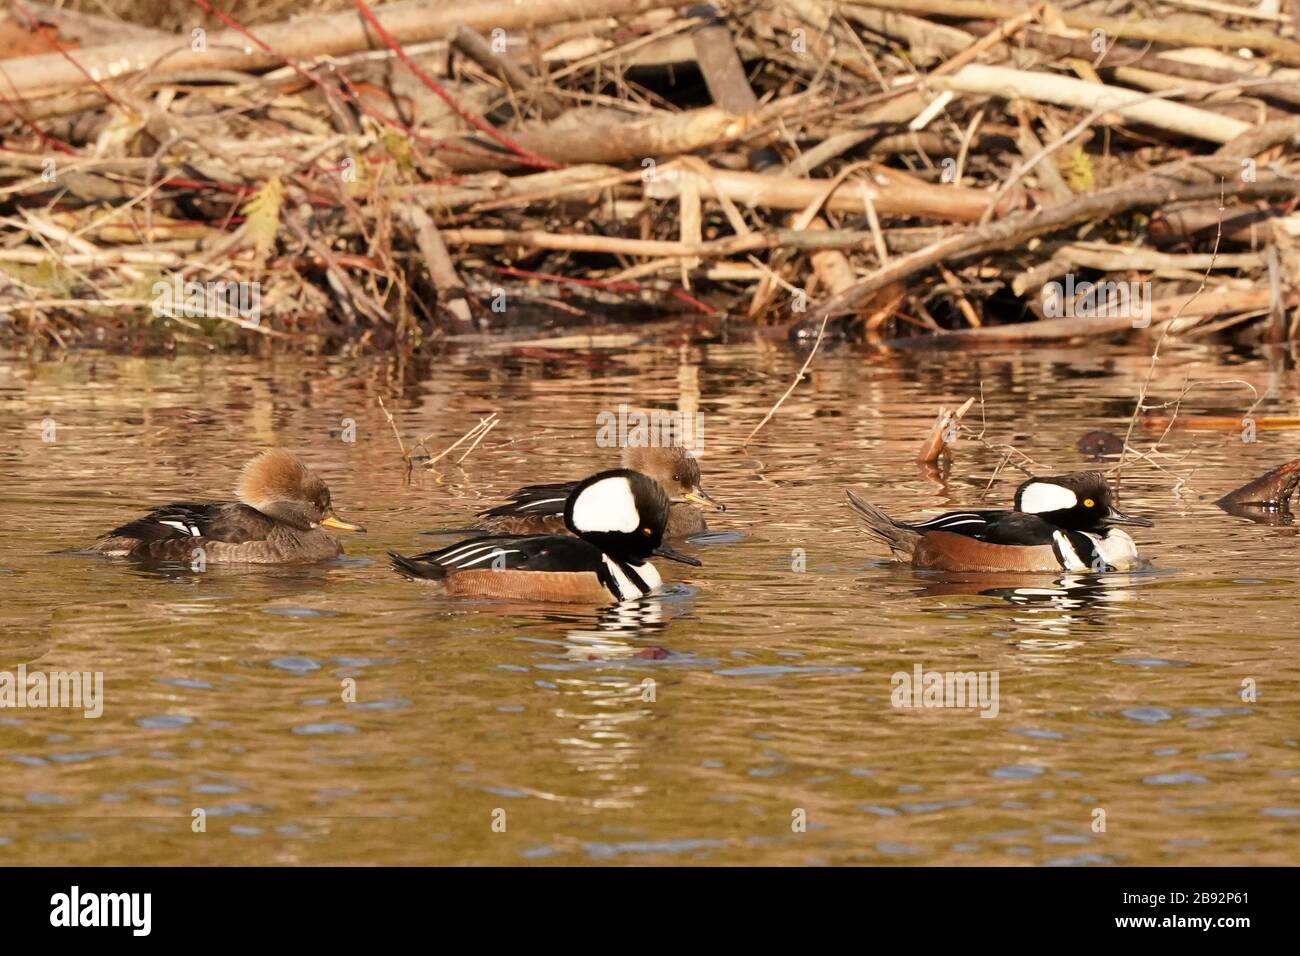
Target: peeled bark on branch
x=1066, y=91
x=331, y=35
x=1119, y=58
x=891, y=193
x=666, y=134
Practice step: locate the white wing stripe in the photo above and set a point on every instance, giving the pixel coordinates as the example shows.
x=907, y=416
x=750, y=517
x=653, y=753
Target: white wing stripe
x=180, y=525
x=540, y=502
x=492, y=555
x=958, y=517
x=462, y=551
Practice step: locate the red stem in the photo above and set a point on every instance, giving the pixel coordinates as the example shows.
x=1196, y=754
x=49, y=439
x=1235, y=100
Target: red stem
x=476, y=121
x=328, y=90
x=55, y=44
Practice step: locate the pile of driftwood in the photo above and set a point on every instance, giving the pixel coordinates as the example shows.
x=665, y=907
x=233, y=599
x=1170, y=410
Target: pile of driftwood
x=905, y=170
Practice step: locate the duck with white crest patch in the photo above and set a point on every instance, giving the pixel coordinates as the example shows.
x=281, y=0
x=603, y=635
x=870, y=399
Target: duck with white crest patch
x=618, y=518
x=539, y=509
x=1068, y=522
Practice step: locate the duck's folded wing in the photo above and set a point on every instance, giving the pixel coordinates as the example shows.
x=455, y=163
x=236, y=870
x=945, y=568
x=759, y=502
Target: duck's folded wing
x=533, y=500
x=1014, y=528
x=233, y=523
x=973, y=524
x=535, y=552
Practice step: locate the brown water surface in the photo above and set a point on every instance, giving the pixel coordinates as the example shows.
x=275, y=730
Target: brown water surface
x=702, y=726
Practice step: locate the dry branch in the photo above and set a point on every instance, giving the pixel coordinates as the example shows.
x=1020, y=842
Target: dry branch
x=413, y=21
x=1064, y=91
x=889, y=191
x=441, y=269
x=1025, y=226
x=923, y=182
x=1155, y=31
x=658, y=136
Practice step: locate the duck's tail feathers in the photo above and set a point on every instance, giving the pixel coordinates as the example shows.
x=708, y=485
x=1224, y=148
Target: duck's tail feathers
x=416, y=568
x=900, y=539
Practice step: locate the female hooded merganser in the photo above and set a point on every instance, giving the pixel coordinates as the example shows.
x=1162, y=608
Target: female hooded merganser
x=278, y=519
x=618, y=517
x=1066, y=522
x=539, y=509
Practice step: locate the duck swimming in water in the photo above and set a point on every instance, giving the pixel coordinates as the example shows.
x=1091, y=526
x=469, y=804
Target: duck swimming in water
x=537, y=509
x=280, y=518
x=1063, y=523
x=617, y=518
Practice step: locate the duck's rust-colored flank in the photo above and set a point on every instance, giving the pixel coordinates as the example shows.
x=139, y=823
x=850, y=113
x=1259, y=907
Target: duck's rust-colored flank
x=945, y=551
x=568, y=587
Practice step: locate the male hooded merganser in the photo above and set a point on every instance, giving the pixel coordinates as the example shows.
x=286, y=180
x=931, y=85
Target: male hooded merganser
x=1066, y=522
x=618, y=517
x=278, y=518
x=539, y=509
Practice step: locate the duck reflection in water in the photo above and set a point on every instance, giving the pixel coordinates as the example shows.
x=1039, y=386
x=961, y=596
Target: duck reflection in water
x=628, y=630
x=619, y=632
x=1071, y=591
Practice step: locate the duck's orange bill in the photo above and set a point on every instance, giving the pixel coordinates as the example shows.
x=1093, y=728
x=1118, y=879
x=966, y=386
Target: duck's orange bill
x=337, y=524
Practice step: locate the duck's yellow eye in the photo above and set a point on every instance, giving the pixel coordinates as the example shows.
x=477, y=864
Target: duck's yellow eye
x=1088, y=502
x=647, y=531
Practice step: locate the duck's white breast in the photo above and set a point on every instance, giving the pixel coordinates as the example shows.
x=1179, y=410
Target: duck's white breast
x=1118, y=549
x=626, y=589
